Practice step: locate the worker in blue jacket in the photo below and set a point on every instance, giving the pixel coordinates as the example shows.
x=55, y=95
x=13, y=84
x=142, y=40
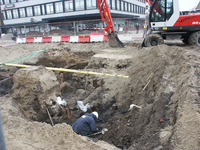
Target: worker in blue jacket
x=85, y=124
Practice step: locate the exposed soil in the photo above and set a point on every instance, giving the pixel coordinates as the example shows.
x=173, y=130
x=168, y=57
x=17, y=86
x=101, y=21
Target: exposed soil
x=162, y=82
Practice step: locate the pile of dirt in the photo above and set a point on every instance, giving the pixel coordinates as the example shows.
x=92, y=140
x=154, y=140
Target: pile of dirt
x=162, y=86
x=7, y=36
x=58, y=32
x=34, y=34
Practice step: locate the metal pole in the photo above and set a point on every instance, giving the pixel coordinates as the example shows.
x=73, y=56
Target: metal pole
x=74, y=29
x=2, y=140
x=25, y=30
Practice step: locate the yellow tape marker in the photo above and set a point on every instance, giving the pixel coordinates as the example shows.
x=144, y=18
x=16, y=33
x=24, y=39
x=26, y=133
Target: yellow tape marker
x=69, y=70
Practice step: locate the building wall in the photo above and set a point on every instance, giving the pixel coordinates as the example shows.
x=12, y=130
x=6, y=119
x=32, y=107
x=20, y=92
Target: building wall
x=36, y=11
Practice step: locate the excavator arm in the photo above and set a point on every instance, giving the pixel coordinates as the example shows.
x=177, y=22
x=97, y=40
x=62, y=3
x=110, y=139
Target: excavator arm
x=109, y=28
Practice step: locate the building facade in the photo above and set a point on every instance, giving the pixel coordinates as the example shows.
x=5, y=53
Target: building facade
x=20, y=13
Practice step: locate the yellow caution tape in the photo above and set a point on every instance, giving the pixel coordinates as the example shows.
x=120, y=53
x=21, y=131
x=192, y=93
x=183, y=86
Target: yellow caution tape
x=70, y=70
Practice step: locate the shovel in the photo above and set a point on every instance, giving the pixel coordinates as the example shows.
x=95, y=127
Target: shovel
x=101, y=132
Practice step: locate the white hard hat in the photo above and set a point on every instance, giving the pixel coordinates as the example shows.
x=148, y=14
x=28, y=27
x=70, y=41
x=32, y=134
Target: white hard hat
x=95, y=113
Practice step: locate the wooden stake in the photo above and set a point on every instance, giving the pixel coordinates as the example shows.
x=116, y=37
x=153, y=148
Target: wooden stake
x=50, y=117
x=145, y=86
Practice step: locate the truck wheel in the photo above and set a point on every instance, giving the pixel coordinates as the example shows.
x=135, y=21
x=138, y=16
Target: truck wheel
x=153, y=40
x=194, y=38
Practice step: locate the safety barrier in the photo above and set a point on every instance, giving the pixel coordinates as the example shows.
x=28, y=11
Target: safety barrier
x=21, y=40
x=105, y=38
x=73, y=39
x=29, y=40
x=38, y=40
x=96, y=38
x=65, y=38
x=56, y=39
x=84, y=39
x=125, y=38
x=46, y=39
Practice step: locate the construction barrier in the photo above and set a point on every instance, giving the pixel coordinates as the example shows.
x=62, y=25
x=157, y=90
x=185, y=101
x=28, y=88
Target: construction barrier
x=96, y=38
x=46, y=39
x=125, y=38
x=84, y=39
x=56, y=39
x=21, y=40
x=29, y=40
x=105, y=39
x=65, y=38
x=73, y=39
x=38, y=40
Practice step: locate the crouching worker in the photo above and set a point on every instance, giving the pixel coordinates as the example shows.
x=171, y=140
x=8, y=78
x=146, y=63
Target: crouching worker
x=86, y=124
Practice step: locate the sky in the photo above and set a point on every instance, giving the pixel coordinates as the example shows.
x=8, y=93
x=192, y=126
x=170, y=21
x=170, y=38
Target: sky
x=185, y=5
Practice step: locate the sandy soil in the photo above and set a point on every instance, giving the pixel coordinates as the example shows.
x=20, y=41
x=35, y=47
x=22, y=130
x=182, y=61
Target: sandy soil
x=163, y=81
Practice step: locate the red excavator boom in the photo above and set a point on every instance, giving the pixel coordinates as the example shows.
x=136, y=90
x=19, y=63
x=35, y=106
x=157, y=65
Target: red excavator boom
x=106, y=17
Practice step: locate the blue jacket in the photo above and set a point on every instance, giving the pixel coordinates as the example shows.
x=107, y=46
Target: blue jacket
x=85, y=124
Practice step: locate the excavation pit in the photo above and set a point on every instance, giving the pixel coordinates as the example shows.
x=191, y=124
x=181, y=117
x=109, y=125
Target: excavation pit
x=162, y=86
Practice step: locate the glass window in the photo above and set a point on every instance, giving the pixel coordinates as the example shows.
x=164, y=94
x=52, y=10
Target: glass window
x=59, y=7
x=118, y=5
x=4, y=14
x=2, y=2
x=108, y=2
x=15, y=13
x=13, y=1
x=169, y=9
x=131, y=8
x=43, y=10
x=91, y=4
x=158, y=13
x=37, y=10
x=125, y=5
x=6, y=1
x=22, y=12
x=20, y=0
x=113, y=4
x=68, y=6
x=29, y=11
x=37, y=28
x=122, y=6
x=79, y=4
x=49, y=8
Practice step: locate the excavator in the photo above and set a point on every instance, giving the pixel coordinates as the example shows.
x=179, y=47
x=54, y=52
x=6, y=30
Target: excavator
x=108, y=23
x=166, y=20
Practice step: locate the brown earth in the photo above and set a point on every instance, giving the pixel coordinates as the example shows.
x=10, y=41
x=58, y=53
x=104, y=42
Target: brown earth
x=163, y=81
